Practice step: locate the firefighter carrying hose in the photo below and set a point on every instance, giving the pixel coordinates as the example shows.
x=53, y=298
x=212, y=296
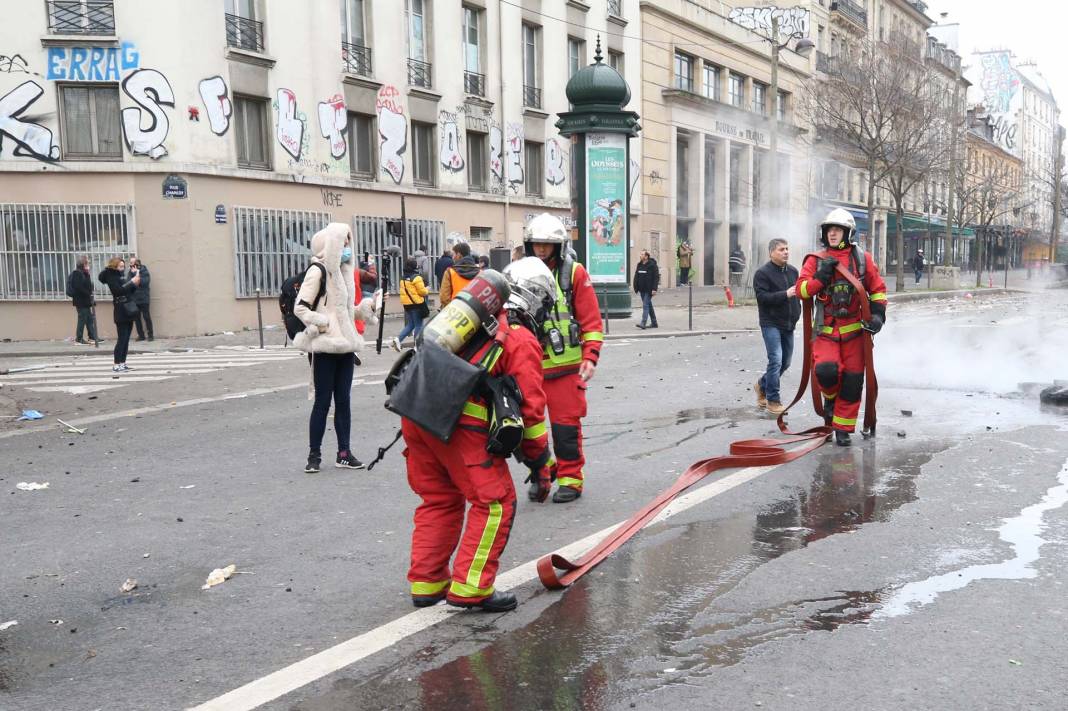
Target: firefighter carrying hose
x=572, y=337
x=838, y=350
x=466, y=466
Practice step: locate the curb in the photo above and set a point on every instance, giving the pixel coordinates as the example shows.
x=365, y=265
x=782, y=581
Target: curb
x=904, y=296
x=678, y=334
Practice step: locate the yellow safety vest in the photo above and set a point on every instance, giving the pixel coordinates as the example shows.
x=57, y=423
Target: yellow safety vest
x=560, y=318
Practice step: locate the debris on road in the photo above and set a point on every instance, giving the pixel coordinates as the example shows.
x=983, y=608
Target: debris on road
x=9, y=623
x=907, y=413
x=129, y=585
x=55, y=622
x=1015, y=663
x=901, y=435
x=1054, y=395
x=71, y=428
x=218, y=576
x=30, y=415
x=30, y=486
x=191, y=486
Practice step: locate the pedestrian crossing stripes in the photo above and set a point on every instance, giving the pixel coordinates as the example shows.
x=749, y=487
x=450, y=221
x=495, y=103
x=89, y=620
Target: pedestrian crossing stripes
x=92, y=373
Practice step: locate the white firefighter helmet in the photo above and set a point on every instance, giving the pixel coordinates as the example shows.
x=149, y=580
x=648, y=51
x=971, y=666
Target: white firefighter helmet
x=533, y=287
x=839, y=217
x=545, y=228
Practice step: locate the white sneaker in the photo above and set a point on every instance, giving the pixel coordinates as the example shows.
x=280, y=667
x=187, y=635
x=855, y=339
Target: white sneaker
x=396, y=344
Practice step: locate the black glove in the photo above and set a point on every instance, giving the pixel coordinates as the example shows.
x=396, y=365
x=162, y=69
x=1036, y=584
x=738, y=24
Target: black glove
x=875, y=325
x=825, y=271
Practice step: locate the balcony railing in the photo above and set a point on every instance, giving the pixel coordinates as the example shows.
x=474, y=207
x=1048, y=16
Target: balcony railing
x=243, y=33
x=615, y=7
x=851, y=10
x=531, y=96
x=356, y=58
x=419, y=74
x=824, y=62
x=475, y=84
x=81, y=17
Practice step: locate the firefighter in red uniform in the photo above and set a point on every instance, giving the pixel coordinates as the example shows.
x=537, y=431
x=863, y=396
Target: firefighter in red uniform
x=838, y=352
x=448, y=476
x=572, y=339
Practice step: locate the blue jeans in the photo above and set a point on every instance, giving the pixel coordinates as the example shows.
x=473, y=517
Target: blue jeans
x=648, y=312
x=413, y=324
x=779, y=343
x=332, y=375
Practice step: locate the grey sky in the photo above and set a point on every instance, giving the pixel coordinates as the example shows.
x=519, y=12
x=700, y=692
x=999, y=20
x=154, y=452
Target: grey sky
x=1032, y=29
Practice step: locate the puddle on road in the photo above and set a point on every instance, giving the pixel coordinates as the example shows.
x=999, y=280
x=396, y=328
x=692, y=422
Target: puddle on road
x=614, y=633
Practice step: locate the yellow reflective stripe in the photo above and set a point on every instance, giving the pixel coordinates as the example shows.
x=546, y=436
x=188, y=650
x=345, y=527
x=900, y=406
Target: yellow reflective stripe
x=826, y=329
x=429, y=588
x=489, y=536
x=850, y=327
x=476, y=410
x=878, y=296
x=804, y=289
x=593, y=336
x=534, y=431
x=569, y=481
x=464, y=590
x=844, y=421
x=829, y=396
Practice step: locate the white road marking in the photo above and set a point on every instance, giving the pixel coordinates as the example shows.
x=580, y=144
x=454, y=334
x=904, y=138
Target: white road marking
x=84, y=377
x=74, y=389
x=317, y=666
x=116, y=380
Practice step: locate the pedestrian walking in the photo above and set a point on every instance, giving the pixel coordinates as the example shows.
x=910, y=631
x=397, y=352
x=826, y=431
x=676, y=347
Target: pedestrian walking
x=838, y=351
x=736, y=265
x=685, y=254
x=124, y=310
x=468, y=500
x=572, y=340
x=918, y=264
x=368, y=275
x=464, y=268
x=331, y=340
x=141, y=298
x=413, y=293
x=775, y=286
x=422, y=263
x=646, y=284
x=80, y=290
x=442, y=264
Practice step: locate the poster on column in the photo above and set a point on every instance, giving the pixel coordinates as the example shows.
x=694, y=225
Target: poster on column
x=606, y=207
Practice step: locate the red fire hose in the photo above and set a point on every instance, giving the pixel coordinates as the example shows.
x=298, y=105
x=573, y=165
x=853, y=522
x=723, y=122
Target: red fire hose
x=744, y=453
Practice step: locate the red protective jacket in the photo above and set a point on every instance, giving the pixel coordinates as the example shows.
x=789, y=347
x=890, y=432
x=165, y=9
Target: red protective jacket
x=808, y=286
x=520, y=358
x=587, y=312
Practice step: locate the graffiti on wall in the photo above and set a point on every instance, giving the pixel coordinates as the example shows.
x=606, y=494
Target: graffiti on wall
x=332, y=123
x=793, y=21
x=449, y=151
x=289, y=129
x=31, y=139
x=554, y=162
x=92, y=63
x=514, y=157
x=635, y=173
x=217, y=105
x=151, y=91
x=1000, y=85
x=496, y=156
x=15, y=64
x=392, y=132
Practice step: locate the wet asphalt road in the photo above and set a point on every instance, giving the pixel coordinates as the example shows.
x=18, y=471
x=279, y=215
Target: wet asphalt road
x=924, y=571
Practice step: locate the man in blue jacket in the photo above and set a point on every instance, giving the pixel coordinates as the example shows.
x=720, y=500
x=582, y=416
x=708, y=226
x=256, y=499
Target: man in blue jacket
x=779, y=309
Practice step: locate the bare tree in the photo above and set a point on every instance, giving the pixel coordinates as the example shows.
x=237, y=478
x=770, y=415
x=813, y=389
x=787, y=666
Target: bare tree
x=986, y=192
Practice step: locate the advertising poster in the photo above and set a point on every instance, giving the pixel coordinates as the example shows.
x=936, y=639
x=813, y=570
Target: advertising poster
x=606, y=207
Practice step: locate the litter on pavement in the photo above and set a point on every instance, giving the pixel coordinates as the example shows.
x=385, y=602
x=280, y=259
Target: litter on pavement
x=9, y=623
x=129, y=585
x=30, y=486
x=219, y=575
x=70, y=428
x=30, y=415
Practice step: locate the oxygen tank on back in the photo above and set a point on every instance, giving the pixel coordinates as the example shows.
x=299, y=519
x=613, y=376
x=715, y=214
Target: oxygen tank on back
x=475, y=307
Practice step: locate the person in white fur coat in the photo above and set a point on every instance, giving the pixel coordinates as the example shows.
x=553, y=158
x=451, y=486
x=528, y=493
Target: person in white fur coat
x=330, y=337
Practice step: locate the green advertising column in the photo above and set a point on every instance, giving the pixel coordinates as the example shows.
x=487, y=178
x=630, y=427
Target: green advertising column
x=600, y=131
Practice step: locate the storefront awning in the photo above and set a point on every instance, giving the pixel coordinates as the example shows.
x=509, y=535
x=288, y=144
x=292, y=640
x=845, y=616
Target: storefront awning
x=915, y=223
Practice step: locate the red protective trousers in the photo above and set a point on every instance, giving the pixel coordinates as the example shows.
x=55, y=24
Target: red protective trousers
x=843, y=384
x=448, y=477
x=566, y=404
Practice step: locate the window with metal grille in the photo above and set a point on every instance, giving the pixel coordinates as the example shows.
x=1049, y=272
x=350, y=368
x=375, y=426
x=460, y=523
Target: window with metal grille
x=371, y=234
x=40, y=244
x=81, y=17
x=423, y=153
x=362, y=145
x=90, y=127
x=535, y=168
x=271, y=245
x=476, y=161
x=252, y=132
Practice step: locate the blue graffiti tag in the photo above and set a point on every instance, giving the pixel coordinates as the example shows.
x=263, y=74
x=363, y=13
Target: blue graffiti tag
x=92, y=63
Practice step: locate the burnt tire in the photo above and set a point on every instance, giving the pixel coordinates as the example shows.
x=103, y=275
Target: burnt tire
x=1054, y=395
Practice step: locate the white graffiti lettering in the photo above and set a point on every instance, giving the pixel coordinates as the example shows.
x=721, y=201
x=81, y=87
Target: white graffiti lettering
x=392, y=132
x=31, y=139
x=496, y=141
x=332, y=121
x=216, y=98
x=150, y=90
x=514, y=164
x=554, y=162
x=635, y=173
x=793, y=21
x=290, y=128
x=449, y=152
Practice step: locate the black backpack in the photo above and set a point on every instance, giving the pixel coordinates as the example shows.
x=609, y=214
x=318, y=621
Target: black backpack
x=287, y=299
x=70, y=285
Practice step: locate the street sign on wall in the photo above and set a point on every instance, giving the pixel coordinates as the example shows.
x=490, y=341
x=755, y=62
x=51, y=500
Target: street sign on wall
x=606, y=207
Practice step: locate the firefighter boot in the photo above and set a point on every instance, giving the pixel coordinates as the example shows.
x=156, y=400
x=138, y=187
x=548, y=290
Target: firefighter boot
x=842, y=439
x=497, y=602
x=565, y=494
x=828, y=412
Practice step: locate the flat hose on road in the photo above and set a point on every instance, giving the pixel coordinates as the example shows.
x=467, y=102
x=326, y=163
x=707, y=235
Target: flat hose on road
x=743, y=453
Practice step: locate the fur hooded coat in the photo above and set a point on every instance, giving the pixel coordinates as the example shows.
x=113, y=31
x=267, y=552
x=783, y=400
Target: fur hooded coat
x=330, y=328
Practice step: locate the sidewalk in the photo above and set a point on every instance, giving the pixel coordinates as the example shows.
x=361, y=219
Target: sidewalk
x=710, y=315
